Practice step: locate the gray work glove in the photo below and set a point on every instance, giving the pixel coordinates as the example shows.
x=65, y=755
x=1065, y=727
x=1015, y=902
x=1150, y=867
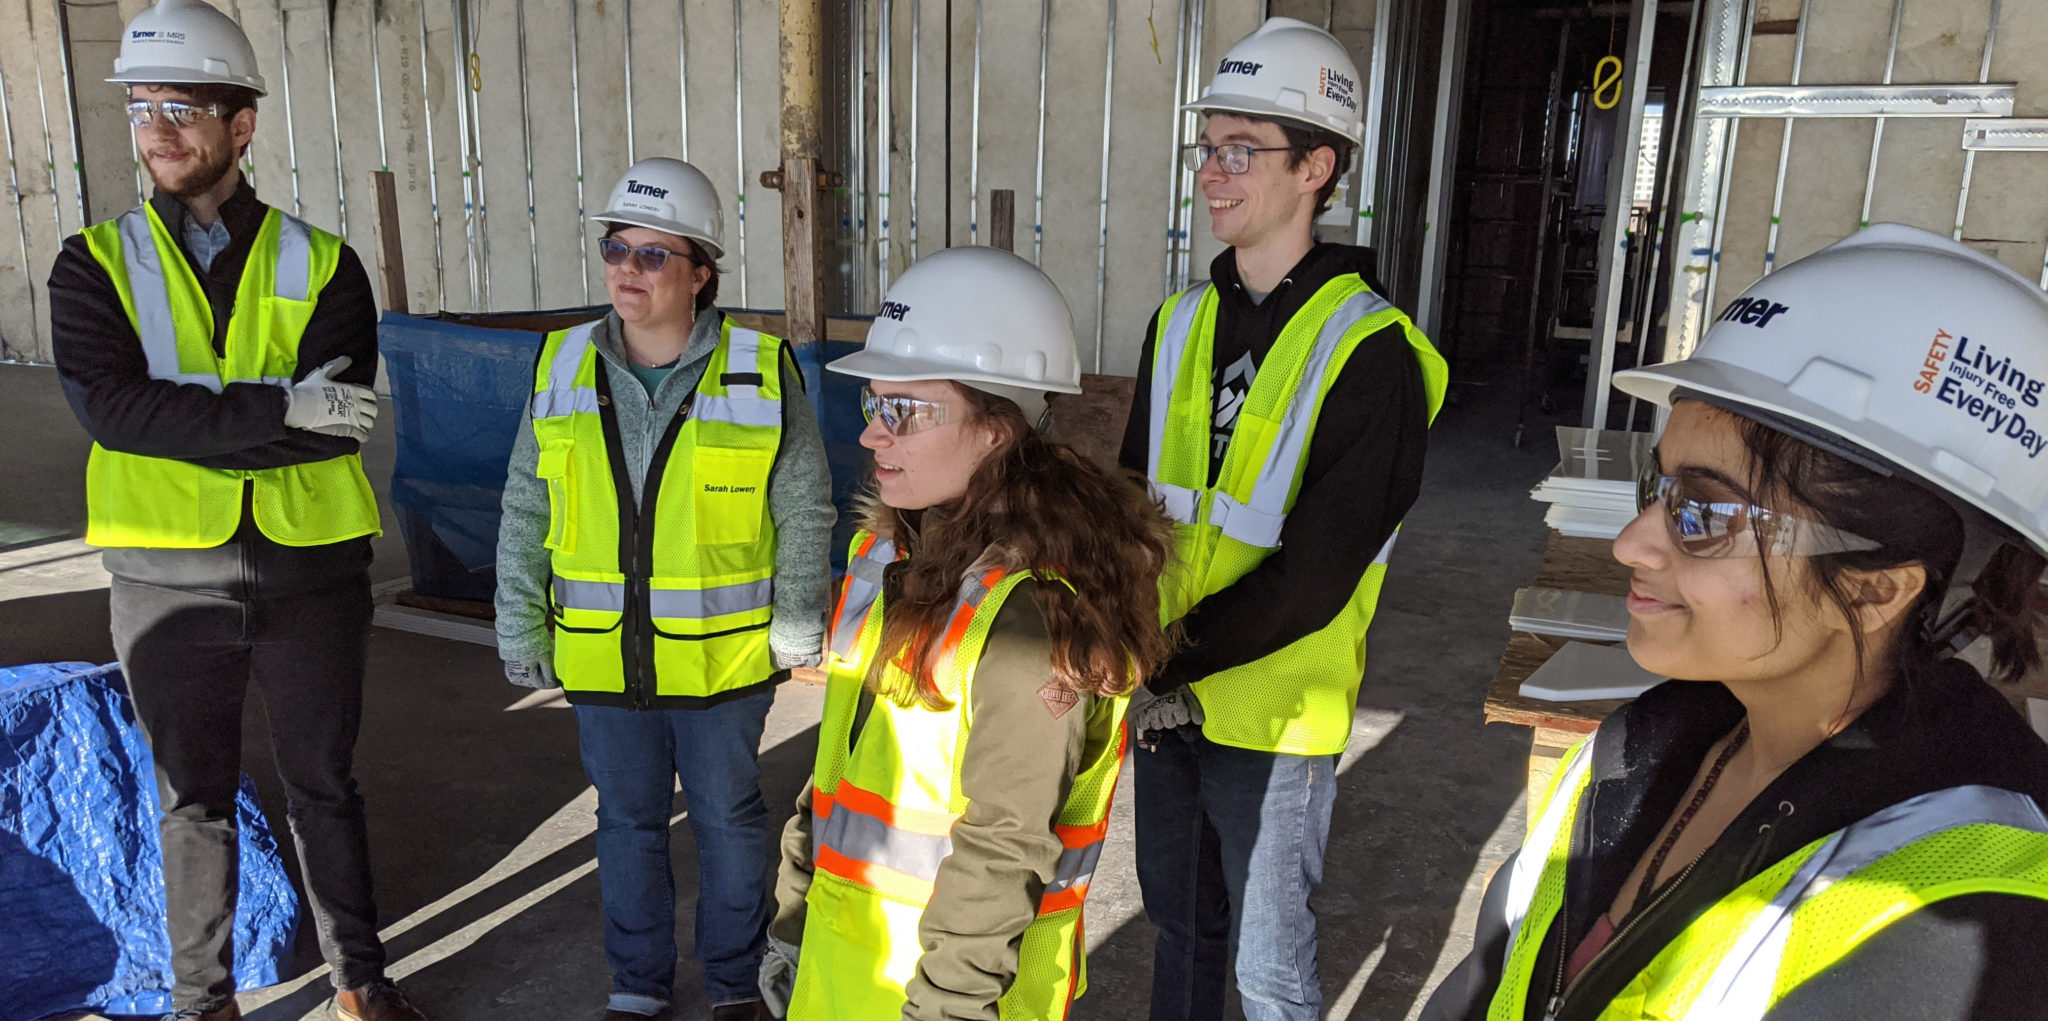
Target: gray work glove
x=1151, y=714
x=778, y=977
x=531, y=673
x=319, y=403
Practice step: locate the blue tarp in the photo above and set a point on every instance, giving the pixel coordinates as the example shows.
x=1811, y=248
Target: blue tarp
x=458, y=384
x=81, y=871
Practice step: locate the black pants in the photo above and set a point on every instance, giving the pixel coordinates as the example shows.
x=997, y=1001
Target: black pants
x=190, y=658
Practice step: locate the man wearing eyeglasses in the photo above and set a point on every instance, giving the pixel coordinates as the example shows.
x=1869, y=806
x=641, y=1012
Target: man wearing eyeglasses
x=221, y=353
x=1280, y=418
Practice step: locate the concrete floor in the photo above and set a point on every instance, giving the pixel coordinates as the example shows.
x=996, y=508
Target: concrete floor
x=480, y=818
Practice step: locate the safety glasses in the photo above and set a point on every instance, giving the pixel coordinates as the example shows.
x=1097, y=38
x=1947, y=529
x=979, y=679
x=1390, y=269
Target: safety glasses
x=647, y=258
x=1707, y=519
x=177, y=112
x=902, y=416
x=1233, y=157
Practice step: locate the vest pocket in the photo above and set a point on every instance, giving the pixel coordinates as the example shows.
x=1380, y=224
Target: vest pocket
x=731, y=497
x=588, y=656
x=553, y=466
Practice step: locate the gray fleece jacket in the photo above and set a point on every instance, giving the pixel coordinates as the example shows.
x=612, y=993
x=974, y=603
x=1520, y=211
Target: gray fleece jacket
x=799, y=502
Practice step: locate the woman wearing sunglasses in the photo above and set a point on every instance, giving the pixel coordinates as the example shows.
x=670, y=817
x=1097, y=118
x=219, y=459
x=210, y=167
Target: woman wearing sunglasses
x=1827, y=814
x=1001, y=601
x=664, y=558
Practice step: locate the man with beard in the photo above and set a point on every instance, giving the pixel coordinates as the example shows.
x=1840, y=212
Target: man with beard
x=220, y=353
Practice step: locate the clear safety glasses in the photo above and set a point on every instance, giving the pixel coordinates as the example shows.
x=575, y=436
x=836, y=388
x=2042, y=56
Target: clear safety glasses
x=902, y=416
x=647, y=258
x=177, y=112
x=1233, y=157
x=1707, y=519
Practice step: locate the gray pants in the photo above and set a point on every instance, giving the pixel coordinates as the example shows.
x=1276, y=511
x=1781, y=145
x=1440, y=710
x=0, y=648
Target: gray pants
x=190, y=658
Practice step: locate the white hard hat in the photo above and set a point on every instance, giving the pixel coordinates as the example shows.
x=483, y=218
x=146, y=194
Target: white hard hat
x=668, y=195
x=1899, y=343
x=978, y=316
x=185, y=42
x=1292, y=71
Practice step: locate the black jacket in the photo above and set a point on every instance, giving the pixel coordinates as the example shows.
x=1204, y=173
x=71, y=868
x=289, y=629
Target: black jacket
x=1363, y=473
x=106, y=380
x=1980, y=957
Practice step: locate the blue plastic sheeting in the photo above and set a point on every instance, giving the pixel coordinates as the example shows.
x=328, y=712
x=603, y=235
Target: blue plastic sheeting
x=81, y=871
x=458, y=388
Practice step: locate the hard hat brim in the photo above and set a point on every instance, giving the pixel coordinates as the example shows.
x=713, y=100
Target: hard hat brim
x=1266, y=109
x=1734, y=387
x=182, y=76
x=893, y=369
x=665, y=226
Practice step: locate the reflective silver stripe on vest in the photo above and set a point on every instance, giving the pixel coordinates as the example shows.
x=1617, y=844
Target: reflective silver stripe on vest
x=1528, y=870
x=152, y=299
x=742, y=403
x=563, y=397
x=1258, y=521
x=1168, y=351
x=1076, y=867
x=703, y=603
x=590, y=595
x=1387, y=549
x=293, y=278
x=737, y=410
x=865, y=838
x=1740, y=989
x=863, y=584
x=1179, y=502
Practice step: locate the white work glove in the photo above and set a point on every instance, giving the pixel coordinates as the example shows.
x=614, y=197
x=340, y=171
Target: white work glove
x=319, y=403
x=778, y=977
x=1157, y=714
x=531, y=673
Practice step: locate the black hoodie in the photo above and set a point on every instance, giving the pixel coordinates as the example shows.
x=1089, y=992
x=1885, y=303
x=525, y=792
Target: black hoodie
x=1979, y=957
x=1363, y=473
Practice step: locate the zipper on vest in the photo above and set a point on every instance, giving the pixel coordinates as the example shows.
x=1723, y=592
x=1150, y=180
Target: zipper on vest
x=636, y=632
x=1627, y=926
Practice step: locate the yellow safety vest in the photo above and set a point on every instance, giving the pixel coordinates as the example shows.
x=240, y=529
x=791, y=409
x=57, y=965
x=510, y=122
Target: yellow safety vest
x=1298, y=700
x=884, y=806
x=1793, y=920
x=664, y=604
x=160, y=502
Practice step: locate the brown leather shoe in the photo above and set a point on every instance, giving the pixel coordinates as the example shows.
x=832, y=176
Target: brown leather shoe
x=375, y=1001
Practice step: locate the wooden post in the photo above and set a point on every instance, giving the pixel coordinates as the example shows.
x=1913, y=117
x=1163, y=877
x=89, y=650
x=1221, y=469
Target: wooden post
x=1002, y=216
x=390, y=254
x=800, y=25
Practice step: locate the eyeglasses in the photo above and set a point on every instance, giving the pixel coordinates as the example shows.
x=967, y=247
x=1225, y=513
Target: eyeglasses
x=179, y=113
x=647, y=258
x=1709, y=524
x=902, y=416
x=1233, y=157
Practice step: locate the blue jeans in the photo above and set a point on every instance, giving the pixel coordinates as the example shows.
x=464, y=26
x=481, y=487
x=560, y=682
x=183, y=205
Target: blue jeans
x=1230, y=845
x=634, y=757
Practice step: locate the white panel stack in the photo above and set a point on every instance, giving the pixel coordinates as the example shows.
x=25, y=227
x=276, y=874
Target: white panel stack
x=1592, y=491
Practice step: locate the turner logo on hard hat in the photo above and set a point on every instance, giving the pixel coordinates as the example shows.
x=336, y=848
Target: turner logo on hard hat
x=167, y=37
x=668, y=195
x=185, y=42
x=894, y=310
x=636, y=188
x=1230, y=66
x=1288, y=71
x=1756, y=312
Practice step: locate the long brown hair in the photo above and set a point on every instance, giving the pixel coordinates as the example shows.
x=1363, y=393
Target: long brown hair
x=1033, y=505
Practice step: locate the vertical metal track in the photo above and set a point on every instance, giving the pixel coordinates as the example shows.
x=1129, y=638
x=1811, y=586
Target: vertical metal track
x=20, y=221
x=1038, y=178
x=71, y=109
x=291, y=140
x=1195, y=79
x=1329, y=14
x=1723, y=53
x=433, y=171
x=334, y=114
x=1614, y=234
x=1175, y=186
x=626, y=63
x=856, y=222
x=248, y=159
x=377, y=85
x=1785, y=142
x=1375, y=111
x=1970, y=156
x=1450, y=88
x=974, y=141
x=885, y=105
x=576, y=123
x=1891, y=59
x=739, y=151
x=526, y=146
x=1102, y=202
x=472, y=163
x=916, y=58
x=683, y=74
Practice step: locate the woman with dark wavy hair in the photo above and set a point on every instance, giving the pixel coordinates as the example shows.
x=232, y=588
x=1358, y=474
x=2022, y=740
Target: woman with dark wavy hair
x=1826, y=815
x=1001, y=600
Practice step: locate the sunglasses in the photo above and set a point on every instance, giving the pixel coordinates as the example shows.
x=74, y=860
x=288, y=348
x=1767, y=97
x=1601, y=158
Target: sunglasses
x=1233, y=157
x=177, y=112
x=902, y=416
x=646, y=258
x=1707, y=519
